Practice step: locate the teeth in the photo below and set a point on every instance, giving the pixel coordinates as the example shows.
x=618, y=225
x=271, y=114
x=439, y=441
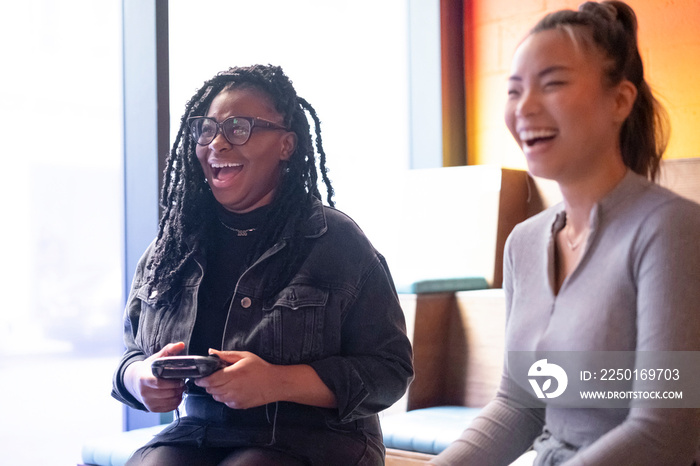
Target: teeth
x=225, y=165
x=529, y=135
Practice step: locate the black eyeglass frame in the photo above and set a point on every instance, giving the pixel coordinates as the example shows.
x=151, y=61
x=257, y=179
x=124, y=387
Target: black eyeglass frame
x=253, y=121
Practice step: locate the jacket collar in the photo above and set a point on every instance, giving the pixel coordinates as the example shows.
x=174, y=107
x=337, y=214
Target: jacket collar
x=315, y=224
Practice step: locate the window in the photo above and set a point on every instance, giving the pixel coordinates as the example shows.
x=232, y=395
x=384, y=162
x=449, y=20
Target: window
x=61, y=197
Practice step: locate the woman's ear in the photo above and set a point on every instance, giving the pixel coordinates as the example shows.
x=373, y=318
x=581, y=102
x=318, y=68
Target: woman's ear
x=289, y=145
x=624, y=100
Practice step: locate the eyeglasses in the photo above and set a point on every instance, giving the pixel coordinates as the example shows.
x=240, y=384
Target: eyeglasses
x=236, y=129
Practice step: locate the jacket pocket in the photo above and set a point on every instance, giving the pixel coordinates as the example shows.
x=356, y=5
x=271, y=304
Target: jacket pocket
x=294, y=324
x=148, y=321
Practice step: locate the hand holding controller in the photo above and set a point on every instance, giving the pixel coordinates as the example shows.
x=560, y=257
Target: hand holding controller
x=186, y=367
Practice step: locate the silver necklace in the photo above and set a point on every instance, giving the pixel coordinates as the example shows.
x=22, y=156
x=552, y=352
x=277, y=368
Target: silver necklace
x=238, y=232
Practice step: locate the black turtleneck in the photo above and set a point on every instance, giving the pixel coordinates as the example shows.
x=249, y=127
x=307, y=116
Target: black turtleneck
x=229, y=243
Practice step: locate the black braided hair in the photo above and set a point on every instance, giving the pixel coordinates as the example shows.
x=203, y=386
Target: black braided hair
x=188, y=205
x=611, y=26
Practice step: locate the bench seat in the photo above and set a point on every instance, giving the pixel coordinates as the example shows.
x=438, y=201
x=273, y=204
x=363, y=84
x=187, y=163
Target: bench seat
x=428, y=430
x=115, y=449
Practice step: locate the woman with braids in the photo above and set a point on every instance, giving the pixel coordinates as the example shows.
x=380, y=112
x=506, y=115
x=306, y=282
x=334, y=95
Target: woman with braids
x=613, y=269
x=248, y=265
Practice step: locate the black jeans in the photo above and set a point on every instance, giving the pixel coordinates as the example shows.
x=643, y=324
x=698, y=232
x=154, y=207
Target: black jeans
x=195, y=456
x=212, y=430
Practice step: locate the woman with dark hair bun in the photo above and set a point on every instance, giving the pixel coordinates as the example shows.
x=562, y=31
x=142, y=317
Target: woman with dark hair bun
x=249, y=266
x=612, y=271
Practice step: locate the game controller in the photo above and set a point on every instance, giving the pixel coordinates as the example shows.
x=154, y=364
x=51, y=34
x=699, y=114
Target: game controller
x=186, y=367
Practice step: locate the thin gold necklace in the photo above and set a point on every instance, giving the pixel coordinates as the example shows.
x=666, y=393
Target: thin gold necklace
x=573, y=245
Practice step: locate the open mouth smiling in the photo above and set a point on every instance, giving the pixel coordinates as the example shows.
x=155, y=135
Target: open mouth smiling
x=532, y=137
x=223, y=171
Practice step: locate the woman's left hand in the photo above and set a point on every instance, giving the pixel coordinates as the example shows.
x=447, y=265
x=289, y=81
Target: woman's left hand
x=248, y=381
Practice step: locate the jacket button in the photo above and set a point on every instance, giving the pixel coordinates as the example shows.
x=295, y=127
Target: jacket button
x=246, y=302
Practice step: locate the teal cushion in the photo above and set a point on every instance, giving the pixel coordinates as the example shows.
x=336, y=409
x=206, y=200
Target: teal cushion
x=115, y=449
x=428, y=430
x=442, y=285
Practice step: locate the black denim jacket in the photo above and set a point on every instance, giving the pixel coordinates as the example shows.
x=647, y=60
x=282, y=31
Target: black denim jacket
x=339, y=313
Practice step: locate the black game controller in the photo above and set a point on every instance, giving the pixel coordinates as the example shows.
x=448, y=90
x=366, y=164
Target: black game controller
x=186, y=367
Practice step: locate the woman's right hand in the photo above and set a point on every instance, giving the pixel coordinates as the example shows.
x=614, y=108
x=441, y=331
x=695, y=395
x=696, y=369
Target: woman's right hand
x=157, y=395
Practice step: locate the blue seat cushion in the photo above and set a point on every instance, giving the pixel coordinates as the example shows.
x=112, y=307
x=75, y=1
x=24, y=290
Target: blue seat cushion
x=428, y=430
x=115, y=449
x=441, y=285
